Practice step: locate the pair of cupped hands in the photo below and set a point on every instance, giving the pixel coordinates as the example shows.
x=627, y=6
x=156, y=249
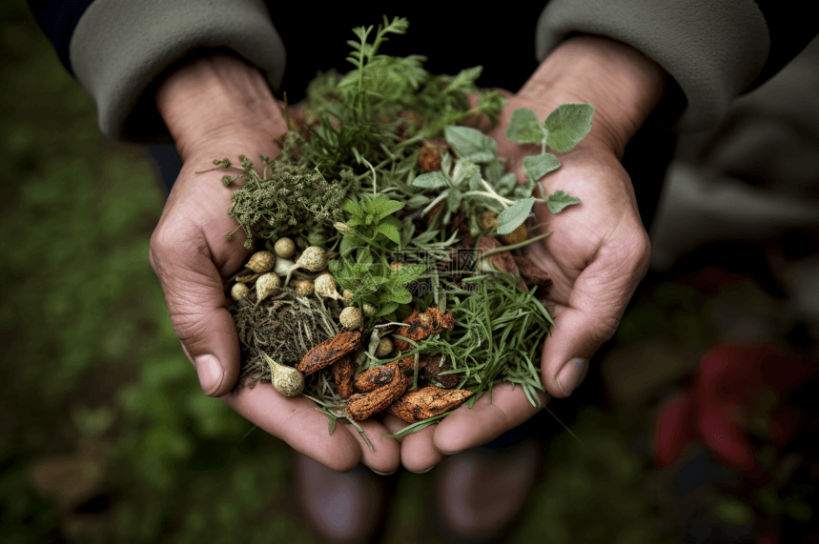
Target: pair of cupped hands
x=598, y=251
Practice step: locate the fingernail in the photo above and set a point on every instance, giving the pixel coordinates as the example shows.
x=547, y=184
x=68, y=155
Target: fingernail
x=423, y=471
x=384, y=473
x=569, y=376
x=210, y=373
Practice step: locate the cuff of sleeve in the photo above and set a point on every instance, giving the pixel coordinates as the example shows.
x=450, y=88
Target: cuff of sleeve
x=713, y=50
x=120, y=49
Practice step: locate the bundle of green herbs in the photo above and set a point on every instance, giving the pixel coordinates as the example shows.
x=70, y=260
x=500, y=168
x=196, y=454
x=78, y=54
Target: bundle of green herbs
x=393, y=275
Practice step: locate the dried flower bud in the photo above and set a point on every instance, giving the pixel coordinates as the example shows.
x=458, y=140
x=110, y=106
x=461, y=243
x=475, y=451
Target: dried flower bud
x=351, y=318
x=239, y=291
x=342, y=227
x=488, y=220
x=267, y=284
x=326, y=286
x=313, y=259
x=369, y=309
x=429, y=158
x=515, y=237
x=395, y=266
x=384, y=348
x=261, y=262
x=347, y=294
x=284, y=248
x=305, y=288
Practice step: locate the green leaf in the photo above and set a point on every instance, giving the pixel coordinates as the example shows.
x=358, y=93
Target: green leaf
x=352, y=208
x=364, y=256
x=506, y=184
x=426, y=236
x=476, y=182
x=387, y=308
x=537, y=166
x=396, y=294
x=349, y=243
x=494, y=170
x=331, y=426
x=514, y=216
x=559, y=200
x=471, y=144
x=418, y=201
x=388, y=208
x=390, y=231
x=431, y=180
x=567, y=125
x=464, y=79
x=454, y=199
x=524, y=127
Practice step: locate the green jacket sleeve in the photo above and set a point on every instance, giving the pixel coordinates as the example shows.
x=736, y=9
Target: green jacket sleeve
x=119, y=49
x=713, y=49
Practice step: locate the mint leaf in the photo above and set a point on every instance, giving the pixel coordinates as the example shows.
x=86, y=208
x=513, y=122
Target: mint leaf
x=364, y=256
x=514, y=216
x=494, y=170
x=567, y=125
x=506, y=184
x=431, y=180
x=388, y=308
x=396, y=294
x=476, y=182
x=537, y=166
x=388, y=208
x=524, y=127
x=352, y=208
x=471, y=144
x=390, y=231
x=349, y=243
x=559, y=200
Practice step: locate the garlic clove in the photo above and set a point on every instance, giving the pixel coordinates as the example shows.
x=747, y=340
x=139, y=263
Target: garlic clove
x=286, y=380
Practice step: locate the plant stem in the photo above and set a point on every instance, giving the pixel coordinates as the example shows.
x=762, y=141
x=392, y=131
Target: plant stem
x=434, y=202
x=514, y=246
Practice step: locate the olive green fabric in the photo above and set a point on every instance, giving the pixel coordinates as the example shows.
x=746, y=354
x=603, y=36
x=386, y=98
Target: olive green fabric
x=713, y=49
x=119, y=48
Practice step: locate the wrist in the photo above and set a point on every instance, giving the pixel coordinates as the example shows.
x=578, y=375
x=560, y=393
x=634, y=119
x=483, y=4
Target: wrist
x=622, y=84
x=214, y=97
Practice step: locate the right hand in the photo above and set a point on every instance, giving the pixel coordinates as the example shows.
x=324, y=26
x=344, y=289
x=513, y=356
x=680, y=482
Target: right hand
x=193, y=261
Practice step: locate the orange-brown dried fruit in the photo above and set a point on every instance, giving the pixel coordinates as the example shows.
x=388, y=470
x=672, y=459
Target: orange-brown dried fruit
x=530, y=272
x=422, y=325
x=503, y=261
x=515, y=237
x=329, y=351
x=343, y=376
x=426, y=403
x=433, y=369
x=362, y=406
x=372, y=379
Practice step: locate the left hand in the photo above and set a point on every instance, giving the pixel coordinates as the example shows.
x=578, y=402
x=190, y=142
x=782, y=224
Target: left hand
x=596, y=257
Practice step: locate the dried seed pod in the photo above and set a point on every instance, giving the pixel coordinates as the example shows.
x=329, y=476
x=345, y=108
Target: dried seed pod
x=515, y=237
x=351, y=318
x=488, y=220
x=362, y=406
x=267, y=284
x=343, y=376
x=530, y=272
x=329, y=351
x=326, y=286
x=421, y=326
x=429, y=158
x=372, y=379
x=426, y=403
x=284, y=248
x=287, y=380
x=384, y=348
x=313, y=259
x=261, y=262
x=305, y=288
x=239, y=291
x=343, y=228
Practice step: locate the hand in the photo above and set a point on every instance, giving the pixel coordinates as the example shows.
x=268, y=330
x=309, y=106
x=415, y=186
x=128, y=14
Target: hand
x=218, y=107
x=599, y=250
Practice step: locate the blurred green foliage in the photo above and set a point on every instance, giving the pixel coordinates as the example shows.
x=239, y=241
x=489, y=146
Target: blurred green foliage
x=89, y=354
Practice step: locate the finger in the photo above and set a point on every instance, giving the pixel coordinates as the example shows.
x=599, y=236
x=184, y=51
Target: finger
x=467, y=428
x=418, y=453
x=296, y=421
x=385, y=455
x=595, y=306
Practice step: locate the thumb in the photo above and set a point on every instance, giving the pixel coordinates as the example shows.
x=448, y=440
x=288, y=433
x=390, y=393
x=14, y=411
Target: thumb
x=197, y=306
x=595, y=306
